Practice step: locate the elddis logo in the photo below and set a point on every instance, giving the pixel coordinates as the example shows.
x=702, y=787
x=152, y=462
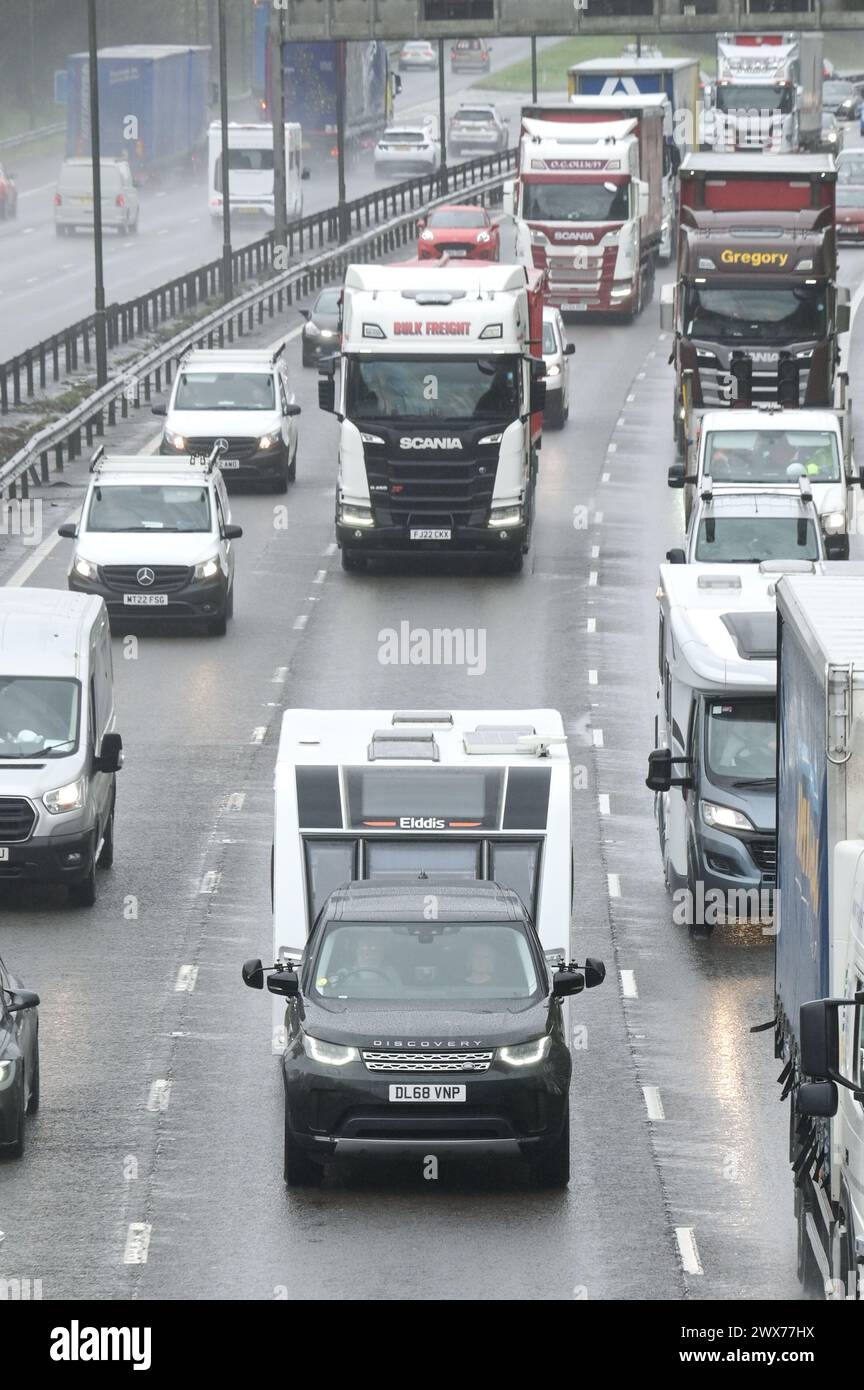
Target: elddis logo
x=757, y=259
x=421, y=823
x=428, y=442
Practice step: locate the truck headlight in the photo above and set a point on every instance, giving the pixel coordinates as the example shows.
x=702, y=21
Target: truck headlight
x=333, y=1054
x=351, y=515
x=506, y=516
x=834, y=523
x=538, y=238
x=725, y=817
x=620, y=291
x=175, y=441
x=68, y=798
x=526, y=1054
x=207, y=569
x=86, y=568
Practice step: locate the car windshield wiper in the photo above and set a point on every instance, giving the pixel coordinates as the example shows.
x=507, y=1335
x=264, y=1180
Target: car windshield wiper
x=755, y=782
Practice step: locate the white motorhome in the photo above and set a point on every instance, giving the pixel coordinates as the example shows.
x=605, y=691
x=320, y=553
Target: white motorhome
x=713, y=765
x=250, y=169
x=59, y=750
x=395, y=794
x=440, y=398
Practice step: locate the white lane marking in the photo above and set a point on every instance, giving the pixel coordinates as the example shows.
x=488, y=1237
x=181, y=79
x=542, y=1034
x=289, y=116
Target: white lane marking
x=592, y=677
x=193, y=220
x=653, y=1103
x=320, y=576
x=612, y=448
x=162, y=193
x=592, y=579
x=280, y=675
x=160, y=1095
x=28, y=192
x=604, y=477
x=597, y=737
x=620, y=424
x=67, y=266
x=688, y=1250
x=640, y=376
x=591, y=625
x=163, y=231
x=613, y=882
x=598, y=518
x=631, y=397
x=595, y=552
x=32, y=280
x=603, y=804
x=187, y=976
x=210, y=882
x=300, y=622
x=24, y=571
x=234, y=801
x=628, y=984
x=137, y=1243
x=330, y=549
x=258, y=734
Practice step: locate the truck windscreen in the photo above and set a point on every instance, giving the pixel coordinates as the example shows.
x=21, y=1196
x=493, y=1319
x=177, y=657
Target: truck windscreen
x=433, y=388
x=575, y=202
x=740, y=741
x=759, y=313
x=739, y=99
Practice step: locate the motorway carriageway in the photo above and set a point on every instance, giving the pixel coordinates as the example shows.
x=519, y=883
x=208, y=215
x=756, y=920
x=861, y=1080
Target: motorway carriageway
x=154, y=1166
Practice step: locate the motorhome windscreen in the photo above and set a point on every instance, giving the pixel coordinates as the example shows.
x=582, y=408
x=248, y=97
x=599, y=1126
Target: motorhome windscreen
x=38, y=716
x=772, y=456
x=758, y=313
x=429, y=961
x=740, y=741
x=433, y=388
x=575, y=202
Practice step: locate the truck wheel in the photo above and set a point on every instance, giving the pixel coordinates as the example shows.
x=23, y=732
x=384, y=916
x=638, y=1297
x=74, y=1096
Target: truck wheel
x=83, y=894
x=16, y=1148
x=695, y=928
x=512, y=564
x=553, y=1169
x=33, y=1099
x=352, y=562
x=299, y=1170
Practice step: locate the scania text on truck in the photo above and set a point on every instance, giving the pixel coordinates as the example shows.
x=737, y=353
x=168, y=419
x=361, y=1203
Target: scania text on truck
x=631, y=78
x=589, y=187
x=712, y=769
x=756, y=312
x=440, y=398
x=768, y=93
x=819, y=962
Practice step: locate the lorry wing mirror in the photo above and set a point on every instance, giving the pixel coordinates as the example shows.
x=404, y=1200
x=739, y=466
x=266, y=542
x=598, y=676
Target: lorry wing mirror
x=538, y=395
x=644, y=197
x=676, y=556
x=667, y=309
x=659, y=777
x=844, y=318
x=817, y=1098
x=327, y=393
x=421, y=223
x=283, y=982
x=595, y=972
x=253, y=974
x=566, y=982
x=110, y=757
x=675, y=476
x=508, y=200
x=820, y=1039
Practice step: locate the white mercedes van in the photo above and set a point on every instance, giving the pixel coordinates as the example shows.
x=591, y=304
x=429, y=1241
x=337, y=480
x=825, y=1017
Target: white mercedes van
x=59, y=751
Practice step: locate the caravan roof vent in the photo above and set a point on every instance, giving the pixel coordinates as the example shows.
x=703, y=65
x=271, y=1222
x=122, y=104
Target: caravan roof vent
x=399, y=743
x=754, y=634
x=424, y=716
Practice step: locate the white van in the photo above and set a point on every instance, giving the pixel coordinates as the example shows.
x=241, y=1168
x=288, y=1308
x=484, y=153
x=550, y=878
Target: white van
x=59, y=751
x=73, y=200
x=250, y=169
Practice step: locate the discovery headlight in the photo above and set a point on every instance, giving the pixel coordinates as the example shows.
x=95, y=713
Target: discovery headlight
x=526, y=1054
x=331, y=1054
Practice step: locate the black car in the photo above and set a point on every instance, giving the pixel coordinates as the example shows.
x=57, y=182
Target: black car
x=424, y=1019
x=842, y=99
x=322, y=330
x=19, y=1061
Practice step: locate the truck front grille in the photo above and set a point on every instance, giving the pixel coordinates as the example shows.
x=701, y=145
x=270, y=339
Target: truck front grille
x=427, y=1061
x=714, y=382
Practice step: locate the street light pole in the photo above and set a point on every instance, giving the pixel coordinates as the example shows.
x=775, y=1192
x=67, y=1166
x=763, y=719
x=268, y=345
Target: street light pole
x=534, y=67
x=227, y=268
x=100, y=324
x=442, y=116
x=276, y=99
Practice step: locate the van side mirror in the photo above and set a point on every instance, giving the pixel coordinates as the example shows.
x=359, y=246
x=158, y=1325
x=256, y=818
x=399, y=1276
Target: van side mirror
x=660, y=764
x=253, y=974
x=305, y=314
x=676, y=556
x=306, y=174
x=566, y=982
x=421, y=223
x=110, y=757
x=21, y=1000
x=69, y=530
x=284, y=982
x=675, y=476
x=158, y=410
x=230, y=532
x=569, y=349
x=292, y=408
x=595, y=972
x=327, y=393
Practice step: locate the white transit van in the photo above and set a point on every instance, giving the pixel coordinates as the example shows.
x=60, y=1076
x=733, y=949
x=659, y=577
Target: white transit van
x=59, y=750
x=250, y=169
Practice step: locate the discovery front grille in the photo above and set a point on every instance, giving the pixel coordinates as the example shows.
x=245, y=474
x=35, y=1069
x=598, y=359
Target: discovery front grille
x=427, y=1061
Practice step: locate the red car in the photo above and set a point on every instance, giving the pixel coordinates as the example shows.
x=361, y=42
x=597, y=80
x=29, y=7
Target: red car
x=850, y=212
x=460, y=230
x=8, y=195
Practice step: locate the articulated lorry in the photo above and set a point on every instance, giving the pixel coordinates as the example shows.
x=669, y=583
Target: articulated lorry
x=152, y=106
x=756, y=312
x=768, y=93
x=311, y=72
x=440, y=397
x=819, y=964
x=589, y=186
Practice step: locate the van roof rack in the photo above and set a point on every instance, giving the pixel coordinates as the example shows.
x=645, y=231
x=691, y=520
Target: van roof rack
x=156, y=464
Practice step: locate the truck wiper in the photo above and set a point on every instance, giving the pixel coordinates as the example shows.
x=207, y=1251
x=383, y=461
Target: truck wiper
x=756, y=782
